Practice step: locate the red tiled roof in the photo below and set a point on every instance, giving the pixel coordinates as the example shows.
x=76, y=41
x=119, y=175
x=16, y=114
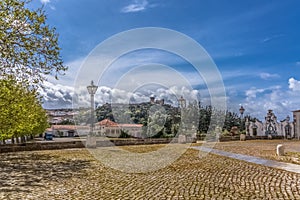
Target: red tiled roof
x=131, y=125
x=109, y=123
x=68, y=127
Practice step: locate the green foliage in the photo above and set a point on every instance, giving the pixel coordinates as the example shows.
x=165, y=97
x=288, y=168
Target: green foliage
x=28, y=51
x=164, y=120
x=226, y=132
x=231, y=120
x=190, y=116
x=66, y=122
x=167, y=121
x=156, y=121
x=28, y=46
x=21, y=111
x=204, y=118
x=83, y=117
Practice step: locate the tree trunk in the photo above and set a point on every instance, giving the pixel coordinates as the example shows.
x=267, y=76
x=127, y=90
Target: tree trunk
x=23, y=139
x=13, y=140
x=18, y=140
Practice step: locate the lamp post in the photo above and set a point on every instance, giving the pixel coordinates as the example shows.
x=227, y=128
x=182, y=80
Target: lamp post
x=242, y=110
x=182, y=133
x=247, y=124
x=287, y=127
x=182, y=102
x=91, y=142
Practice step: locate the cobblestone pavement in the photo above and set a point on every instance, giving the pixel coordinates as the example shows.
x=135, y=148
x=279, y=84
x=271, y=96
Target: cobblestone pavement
x=75, y=174
x=252, y=159
x=264, y=148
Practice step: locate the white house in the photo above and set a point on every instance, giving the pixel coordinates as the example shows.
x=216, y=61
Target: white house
x=69, y=130
x=109, y=128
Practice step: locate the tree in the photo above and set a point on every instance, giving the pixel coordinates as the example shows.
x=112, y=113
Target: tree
x=232, y=119
x=28, y=46
x=204, y=118
x=21, y=111
x=156, y=121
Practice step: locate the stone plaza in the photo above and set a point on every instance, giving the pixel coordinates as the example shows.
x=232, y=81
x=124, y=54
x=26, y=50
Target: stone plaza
x=76, y=174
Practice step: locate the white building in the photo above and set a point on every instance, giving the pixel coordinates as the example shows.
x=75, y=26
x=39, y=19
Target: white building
x=271, y=127
x=296, y=116
x=109, y=128
x=68, y=130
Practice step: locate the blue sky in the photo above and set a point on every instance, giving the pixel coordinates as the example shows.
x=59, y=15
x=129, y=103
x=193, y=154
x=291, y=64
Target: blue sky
x=255, y=44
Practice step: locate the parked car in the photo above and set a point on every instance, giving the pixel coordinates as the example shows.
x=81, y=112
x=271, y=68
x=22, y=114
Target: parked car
x=48, y=136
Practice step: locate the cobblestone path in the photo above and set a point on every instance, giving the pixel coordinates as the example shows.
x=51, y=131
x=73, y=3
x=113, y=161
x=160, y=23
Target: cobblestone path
x=75, y=174
x=252, y=159
x=264, y=149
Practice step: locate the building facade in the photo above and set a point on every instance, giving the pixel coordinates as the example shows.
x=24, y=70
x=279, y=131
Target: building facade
x=271, y=127
x=296, y=116
x=57, y=116
x=109, y=128
x=68, y=130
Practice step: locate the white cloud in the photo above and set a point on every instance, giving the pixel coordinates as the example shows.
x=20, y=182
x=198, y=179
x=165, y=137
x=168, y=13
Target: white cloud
x=136, y=6
x=106, y=94
x=267, y=39
x=56, y=95
x=282, y=101
x=232, y=74
x=63, y=96
x=251, y=93
x=52, y=7
x=298, y=63
x=294, y=84
x=45, y=1
x=125, y=77
x=268, y=76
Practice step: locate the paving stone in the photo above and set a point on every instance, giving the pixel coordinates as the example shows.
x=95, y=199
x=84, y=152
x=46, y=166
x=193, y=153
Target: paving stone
x=75, y=174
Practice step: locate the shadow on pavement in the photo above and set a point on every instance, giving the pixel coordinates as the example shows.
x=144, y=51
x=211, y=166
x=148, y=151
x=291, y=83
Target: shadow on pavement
x=20, y=172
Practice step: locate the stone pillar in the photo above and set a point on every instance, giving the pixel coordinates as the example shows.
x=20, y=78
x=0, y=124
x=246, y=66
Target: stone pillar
x=280, y=150
x=269, y=136
x=242, y=137
x=91, y=142
x=182, y=139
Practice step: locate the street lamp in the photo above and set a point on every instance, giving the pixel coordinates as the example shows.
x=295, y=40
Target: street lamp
x=182, y=102
x=92, y=90
x=242, y=110
x=247, y=124
x=287, y=127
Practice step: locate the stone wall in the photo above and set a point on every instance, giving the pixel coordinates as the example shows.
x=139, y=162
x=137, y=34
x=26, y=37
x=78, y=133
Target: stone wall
x=79, y=144
x=40, y=146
